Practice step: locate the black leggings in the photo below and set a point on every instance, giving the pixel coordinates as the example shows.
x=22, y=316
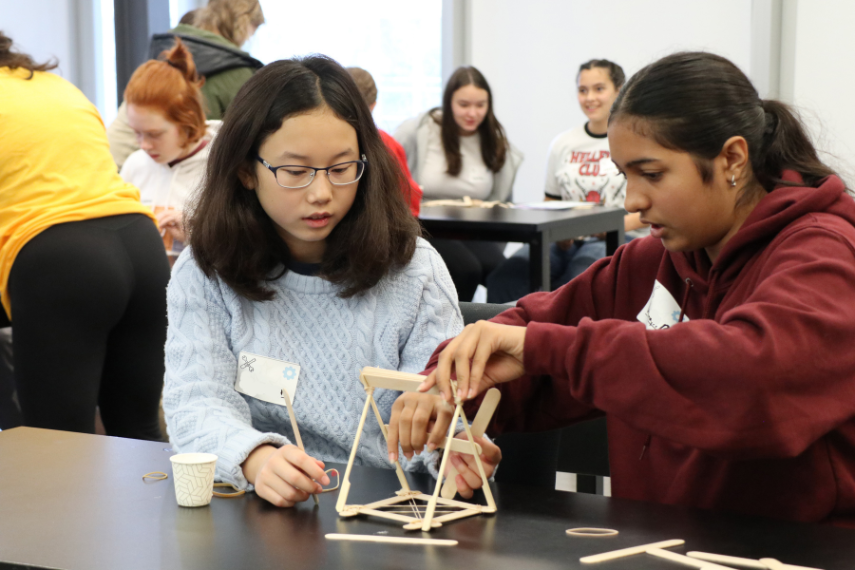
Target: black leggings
x=469, y=262
x=89, y=325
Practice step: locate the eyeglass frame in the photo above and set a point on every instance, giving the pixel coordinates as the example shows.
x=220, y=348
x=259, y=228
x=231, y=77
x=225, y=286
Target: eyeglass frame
x=273, y=169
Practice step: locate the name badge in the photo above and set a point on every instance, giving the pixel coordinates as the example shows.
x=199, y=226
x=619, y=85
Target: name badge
x=661, y=311
x=265, y=378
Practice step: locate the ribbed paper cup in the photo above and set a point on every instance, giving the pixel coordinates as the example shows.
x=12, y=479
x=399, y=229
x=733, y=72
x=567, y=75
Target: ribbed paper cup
x=194, y=478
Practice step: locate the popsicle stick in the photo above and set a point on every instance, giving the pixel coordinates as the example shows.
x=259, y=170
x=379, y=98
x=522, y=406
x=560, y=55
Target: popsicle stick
x=685, y=560
x=479, y=426
x=392, y=539
x=294, y=427
x=743, y=562
x=394, y=380
x=773, y=564
x=630, y=551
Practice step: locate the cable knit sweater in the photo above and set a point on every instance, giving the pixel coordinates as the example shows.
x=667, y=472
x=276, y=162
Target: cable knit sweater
x=396, y=325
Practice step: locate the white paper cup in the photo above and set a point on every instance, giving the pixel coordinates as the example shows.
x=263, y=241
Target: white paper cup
x=194, y=478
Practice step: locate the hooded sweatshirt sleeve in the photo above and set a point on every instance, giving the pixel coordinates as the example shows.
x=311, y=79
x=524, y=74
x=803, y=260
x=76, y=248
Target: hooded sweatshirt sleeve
x=765, y=376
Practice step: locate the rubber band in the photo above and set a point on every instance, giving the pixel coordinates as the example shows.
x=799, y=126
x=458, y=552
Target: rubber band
x=337, y=481
x=237, y=492
x=156, y=475
x=587, y=531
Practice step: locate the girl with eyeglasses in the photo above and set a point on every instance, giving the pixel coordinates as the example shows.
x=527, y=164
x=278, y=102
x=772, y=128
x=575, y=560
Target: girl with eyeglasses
x=304, y=259
x=165, y=110
x=719, y=347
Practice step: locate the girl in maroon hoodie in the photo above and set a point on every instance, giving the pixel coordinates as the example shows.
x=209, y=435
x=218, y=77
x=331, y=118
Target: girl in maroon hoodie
x=719, y=348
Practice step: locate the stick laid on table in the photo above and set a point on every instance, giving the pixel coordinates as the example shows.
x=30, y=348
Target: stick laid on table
x=685, y=560
x=391, y=539
x=744, y=562
x=630, y=551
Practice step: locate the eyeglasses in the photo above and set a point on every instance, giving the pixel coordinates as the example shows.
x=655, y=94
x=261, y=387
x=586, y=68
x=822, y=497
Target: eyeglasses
x=293, y=176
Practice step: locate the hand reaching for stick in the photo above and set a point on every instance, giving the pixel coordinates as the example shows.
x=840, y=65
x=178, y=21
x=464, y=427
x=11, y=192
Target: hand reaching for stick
x=284, y=476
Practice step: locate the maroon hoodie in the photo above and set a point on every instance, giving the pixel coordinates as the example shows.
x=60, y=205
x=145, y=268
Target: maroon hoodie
x=748, y=404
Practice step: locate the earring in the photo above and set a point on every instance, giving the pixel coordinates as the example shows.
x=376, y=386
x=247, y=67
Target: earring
x=733, y=180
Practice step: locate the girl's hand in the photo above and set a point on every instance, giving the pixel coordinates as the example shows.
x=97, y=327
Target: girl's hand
x=171, y=221
x=413, y=415
x=468, y=478
x=284, y=476
x=483, y=355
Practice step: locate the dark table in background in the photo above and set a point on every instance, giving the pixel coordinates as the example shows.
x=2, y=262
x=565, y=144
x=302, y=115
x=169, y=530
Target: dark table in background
x=78, y=502
x=538, y=228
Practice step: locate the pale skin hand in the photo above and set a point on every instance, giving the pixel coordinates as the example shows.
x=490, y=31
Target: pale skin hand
x=171, y=221
x=413, y=415
x=284, y=476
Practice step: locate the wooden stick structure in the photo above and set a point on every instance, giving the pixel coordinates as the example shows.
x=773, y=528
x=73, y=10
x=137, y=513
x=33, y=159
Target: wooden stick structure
x=614, y=554
x=294, y=427
x=404, y=506
x=743, y=562
x=392, y=539
x=479, y=426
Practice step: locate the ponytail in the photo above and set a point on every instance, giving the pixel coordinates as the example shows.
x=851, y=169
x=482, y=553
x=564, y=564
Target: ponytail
x=13, y=59
x=786, y=145
x=171, y=85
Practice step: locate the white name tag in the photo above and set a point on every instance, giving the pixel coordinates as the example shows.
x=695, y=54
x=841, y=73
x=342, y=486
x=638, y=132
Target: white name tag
x=265, y=378
x=661, y=311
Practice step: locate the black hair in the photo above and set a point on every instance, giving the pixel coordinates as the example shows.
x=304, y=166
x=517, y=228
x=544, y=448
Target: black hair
x=695, y=101
x=615, y=71
x=234, y=238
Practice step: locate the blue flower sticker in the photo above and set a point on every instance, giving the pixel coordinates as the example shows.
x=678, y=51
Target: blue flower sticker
x=675, y=316
x=289, y=373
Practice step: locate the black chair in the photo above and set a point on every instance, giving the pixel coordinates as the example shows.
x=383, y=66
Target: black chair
x=534, y=458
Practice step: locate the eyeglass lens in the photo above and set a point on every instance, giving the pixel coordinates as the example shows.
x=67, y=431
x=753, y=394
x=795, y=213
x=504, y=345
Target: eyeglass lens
x=299, y=176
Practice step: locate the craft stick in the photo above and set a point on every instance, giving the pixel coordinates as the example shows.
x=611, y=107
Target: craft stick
x=458, y=409
x=773, y=564
x=630, y=551
x=294, y=427
x=394, y=380
x=392, y=539
x=685, y=560
x=345, y=486
x=485, y=483
x=479, y=426
x=744, y=562
x=402, y=479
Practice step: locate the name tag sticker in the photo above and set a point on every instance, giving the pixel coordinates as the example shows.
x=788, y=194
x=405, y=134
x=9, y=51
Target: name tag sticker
x=661, y=311
x=264, y=378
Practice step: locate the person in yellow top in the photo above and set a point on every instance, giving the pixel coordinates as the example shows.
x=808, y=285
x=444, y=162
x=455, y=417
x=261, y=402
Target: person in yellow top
x=83, y=272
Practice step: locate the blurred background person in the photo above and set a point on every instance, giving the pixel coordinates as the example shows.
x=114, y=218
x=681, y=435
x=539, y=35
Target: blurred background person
x=461, y=150
x=165, y=111
x=368, y=88
x=214, y=38
x=83, y=273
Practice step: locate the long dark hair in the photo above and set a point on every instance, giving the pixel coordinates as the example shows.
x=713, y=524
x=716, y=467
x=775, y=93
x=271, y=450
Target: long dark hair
x=494, y=143
x=11, y=58
x=694, y=101
x=232, y=236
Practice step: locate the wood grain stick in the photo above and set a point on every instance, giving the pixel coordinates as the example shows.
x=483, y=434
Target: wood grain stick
x=743, y=562
x=630, y=551
x=392, y=539
x=685, y=560
x=479, y=426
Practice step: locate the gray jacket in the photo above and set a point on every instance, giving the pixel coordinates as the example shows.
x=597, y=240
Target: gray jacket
x=413, y=136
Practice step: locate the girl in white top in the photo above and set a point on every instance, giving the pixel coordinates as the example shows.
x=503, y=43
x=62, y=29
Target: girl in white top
x=461, y=150
x=164, y=106
x=579, y=168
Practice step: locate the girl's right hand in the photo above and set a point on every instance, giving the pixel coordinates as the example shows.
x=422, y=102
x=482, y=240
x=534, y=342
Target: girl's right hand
x=284, y=476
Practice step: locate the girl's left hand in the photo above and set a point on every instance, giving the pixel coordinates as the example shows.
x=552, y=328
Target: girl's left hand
x=468, y=478
x=172, y=221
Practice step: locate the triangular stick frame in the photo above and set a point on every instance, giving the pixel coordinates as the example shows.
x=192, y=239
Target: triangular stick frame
x=372, y=378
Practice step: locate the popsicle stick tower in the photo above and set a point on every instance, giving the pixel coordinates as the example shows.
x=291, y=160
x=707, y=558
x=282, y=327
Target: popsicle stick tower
x=411, y=507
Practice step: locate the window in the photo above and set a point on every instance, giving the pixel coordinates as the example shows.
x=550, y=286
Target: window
x=399, y=43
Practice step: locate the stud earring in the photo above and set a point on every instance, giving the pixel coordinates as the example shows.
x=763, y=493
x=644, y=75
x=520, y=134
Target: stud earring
x=733, y=180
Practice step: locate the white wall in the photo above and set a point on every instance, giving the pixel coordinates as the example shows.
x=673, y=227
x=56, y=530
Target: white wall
x=53, y=37
x=822, y=83
x=530, y=53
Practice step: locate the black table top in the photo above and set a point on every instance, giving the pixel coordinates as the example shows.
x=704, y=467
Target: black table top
x=77, y=501
x=512, y=218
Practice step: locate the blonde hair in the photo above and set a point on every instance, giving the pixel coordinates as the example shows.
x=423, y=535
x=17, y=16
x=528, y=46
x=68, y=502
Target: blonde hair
x=230, y=19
